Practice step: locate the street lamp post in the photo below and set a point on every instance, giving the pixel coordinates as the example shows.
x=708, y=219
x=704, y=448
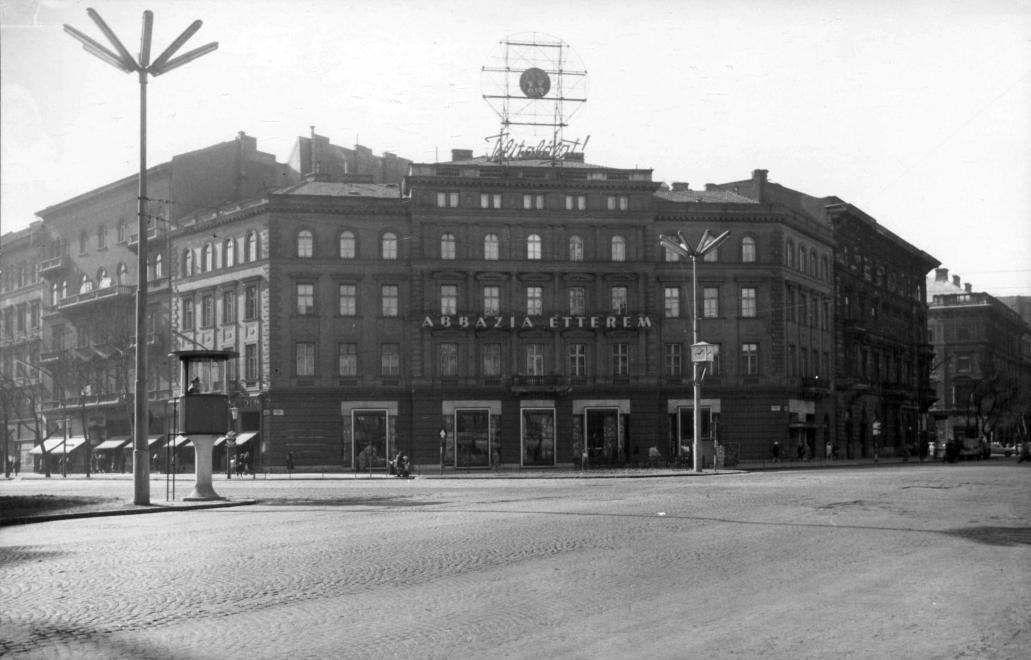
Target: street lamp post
x=699, y=352
x=122, y=60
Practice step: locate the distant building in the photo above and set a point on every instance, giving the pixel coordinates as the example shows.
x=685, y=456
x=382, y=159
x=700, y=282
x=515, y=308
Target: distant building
x=982, y=363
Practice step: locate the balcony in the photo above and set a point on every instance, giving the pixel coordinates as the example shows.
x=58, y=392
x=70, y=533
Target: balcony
x=553, y=384
x=154, y=234
x=96, y=297
x=55, y=267
x=814, y=387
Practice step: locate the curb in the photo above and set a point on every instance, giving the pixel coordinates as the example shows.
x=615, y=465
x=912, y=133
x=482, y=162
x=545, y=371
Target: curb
x=153, y=508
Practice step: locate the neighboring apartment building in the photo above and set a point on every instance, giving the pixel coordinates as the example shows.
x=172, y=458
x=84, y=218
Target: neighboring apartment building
x=982, y=363
x=881, y=355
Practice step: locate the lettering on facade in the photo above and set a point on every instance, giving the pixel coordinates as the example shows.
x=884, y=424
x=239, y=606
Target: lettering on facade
x=506, y=148
x=639, y=322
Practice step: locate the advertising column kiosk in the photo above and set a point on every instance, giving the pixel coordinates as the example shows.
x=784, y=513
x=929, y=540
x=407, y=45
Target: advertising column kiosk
x=203, y=411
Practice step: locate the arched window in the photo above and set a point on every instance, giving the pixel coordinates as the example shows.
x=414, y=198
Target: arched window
x=54, y=294
x=491, y=247
x=304, y=244
x=64, y=289
x=103, y=281
x=229, y=252
x=207, y=258
x=812, y=262
x=576, y=248
x=712, y=256
x=447, y=246
x=250, y=247
x=187, y=262
x=388, y=246
x=347, y=245
x=533, y=246
x=748, y=250
x=618, y=248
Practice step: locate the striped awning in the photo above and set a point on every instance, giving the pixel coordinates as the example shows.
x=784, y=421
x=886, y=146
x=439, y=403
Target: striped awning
x=244, y=437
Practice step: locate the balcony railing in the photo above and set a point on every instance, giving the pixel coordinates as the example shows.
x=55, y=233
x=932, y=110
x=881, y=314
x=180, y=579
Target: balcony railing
x=55, y=266
x=106, y=294
x=549, y=383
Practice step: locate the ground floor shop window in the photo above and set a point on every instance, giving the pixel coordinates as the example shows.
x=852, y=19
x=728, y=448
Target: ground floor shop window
x=373, y=439
x=538, y=437
x=472, y=438
x=604, y=437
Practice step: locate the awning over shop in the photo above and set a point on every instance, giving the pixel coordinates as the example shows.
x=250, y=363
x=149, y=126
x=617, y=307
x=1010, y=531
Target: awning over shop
x=59, y=445
x=180, y=440
x=117, y=443
x=244, y=437
x=154, y=439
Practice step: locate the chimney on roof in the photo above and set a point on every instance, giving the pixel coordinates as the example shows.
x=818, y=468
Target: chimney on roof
x=968, y=287
x=680, y=186
x=955, y=280
x=941, y=274
x=759, y=178
x=461, y=154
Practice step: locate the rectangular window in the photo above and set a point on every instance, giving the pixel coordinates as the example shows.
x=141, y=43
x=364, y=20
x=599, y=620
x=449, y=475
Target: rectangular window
x=389, y=300
x=577, y=301
x=250, y=303
x=672, y=298
x=619, y=300
x=250, y=362
x=228, y=307
x=484, y=201
x=448, y=299
x=710, y=302
x=533, y=202
x=749, y=359
x=748, y=302
x=447, y=200
x=448, y=354
x=620, y=360
x=576, y=202
x=187, y=319
x=490, y=355
x=535, y=359
x=674, y=354
x=347, y=360
x=305, y=362
x=491, y=300
x=348, y=300
x=452, y=199
x=305, y=299
x=534, y=300
x=207, y=311
x=576, y=358
x=390, y=360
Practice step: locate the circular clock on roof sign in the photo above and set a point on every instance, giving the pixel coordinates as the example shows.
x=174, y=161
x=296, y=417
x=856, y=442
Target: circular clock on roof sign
x=535, y=83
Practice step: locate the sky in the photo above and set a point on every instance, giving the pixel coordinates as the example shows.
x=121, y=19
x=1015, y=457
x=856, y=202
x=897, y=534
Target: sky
x=917, y=112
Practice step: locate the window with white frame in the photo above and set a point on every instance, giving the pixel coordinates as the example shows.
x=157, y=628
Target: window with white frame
x=490, y=358
x=348, y=247
x=448, y=299
x=748, y=306
x=749, y=359
x=618, y=252
x=490, y=247
x=305, y=298
x=748, y=250
x=388, y=246
x=620, y=360
x=533, y=246
x=535, y=359
x=348, y=297
x=576, y=248
x=305, y=243
x=618, y=297
x=305, y=358
x=491, y=300
x=674, y=359
x=576, y=360
x=390, y=360
x=448, y=360
x=577, y=301
x=710, y=302
x=447, y=246
x=534, y=300
x=672, y=302
x=389, y=298
x=347, y=360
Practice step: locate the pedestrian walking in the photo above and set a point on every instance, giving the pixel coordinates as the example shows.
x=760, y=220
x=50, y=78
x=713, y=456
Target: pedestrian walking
x=775, y=451
x=289, y=463
x=800, y=451
x=17, y=465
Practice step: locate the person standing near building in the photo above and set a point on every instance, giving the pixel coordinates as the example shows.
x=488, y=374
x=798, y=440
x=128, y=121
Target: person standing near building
x=775, y=451
x=290, y=463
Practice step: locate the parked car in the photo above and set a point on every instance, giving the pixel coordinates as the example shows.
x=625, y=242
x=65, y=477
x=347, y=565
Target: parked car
x=999, y=449
x=972, y=449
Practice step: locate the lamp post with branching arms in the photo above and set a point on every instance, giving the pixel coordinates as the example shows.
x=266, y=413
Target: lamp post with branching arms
x=699, y=352
x=121, y=59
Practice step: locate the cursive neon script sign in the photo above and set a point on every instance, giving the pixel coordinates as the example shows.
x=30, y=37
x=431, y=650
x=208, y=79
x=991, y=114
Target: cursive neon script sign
x=506, y=148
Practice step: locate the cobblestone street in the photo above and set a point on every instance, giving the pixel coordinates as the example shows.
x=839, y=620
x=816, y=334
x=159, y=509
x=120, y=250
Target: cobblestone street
x=917, y=561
